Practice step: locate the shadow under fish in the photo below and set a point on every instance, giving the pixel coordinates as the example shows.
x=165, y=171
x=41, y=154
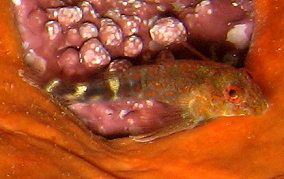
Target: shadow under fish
x=152, y=101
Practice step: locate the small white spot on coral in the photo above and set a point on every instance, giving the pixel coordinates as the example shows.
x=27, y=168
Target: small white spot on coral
x=178, y=6
x=87, y=8
x=122, y=113
x=137, y=4
x=135, y=105
x=110, y=32
x=102, y=129
x=35, y=61
x=149, y=103
x=94, y=54
x=128, y=23
x=25, y=44
x=137, y=18
x=123, y=3
x=133, y=45
x=52, y=13
x=109, y=111
x=98, y=59
x=138, y=105
x=130, y=121
x=168, y=30
x=88, y=30
x=113, y=13
x=145, y=22
x=69, y=15
x=119, y=65
x=209, y=11
x=238, y=36
x=161, y=8
x=53, y=29
x=204, y=3
x=202, y=6
x=97, y=49
x=17, y=2
x=235, y=4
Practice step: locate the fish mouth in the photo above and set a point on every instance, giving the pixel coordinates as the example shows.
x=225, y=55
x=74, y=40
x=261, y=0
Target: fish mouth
x=76, y=41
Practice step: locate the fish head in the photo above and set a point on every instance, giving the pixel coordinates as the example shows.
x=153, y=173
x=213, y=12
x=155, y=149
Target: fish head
x=241, y=95
x=228, y=92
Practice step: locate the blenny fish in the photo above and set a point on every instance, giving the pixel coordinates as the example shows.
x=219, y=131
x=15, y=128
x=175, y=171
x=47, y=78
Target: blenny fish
x=201, y=90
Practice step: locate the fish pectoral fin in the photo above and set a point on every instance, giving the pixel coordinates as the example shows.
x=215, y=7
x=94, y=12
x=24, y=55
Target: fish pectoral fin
x=178, y=126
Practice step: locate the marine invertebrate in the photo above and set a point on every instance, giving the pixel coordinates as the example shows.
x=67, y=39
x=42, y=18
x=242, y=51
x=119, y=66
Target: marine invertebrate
x=60, y=33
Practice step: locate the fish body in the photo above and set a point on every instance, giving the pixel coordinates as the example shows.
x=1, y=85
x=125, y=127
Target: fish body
x=202, y=90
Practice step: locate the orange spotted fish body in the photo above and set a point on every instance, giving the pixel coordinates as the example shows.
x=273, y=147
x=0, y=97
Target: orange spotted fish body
x=202, y=90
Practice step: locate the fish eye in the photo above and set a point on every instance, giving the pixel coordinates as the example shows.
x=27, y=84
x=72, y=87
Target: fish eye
x=232, y=94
